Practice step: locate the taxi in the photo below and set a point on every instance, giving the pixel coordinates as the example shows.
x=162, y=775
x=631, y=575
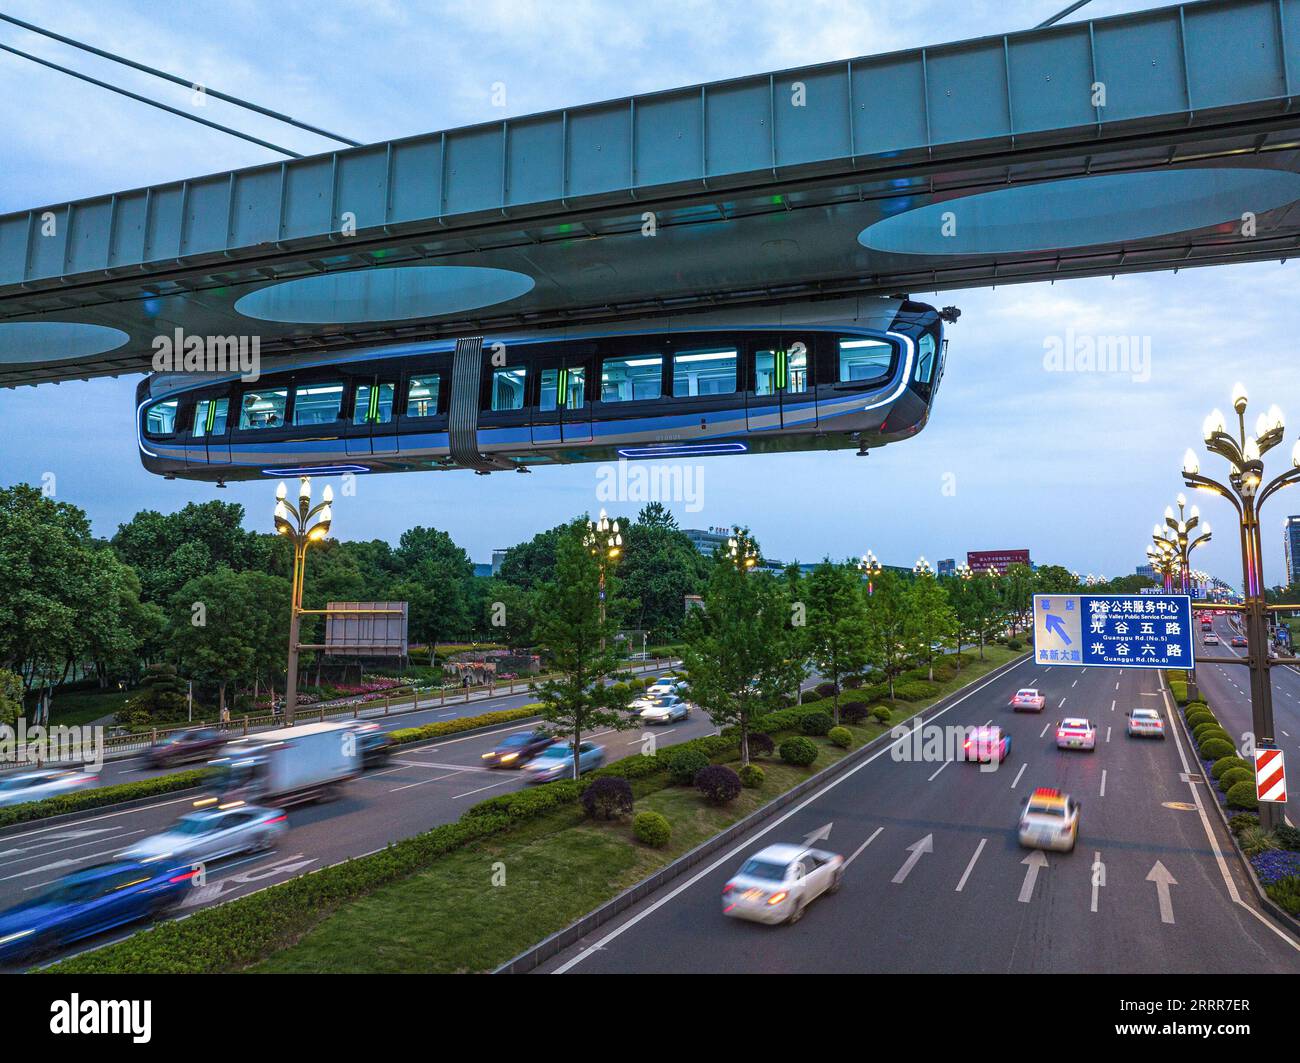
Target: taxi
x=1074, y=732
x=1050, y=820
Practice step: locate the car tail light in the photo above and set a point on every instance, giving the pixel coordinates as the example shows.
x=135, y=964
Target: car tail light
x=278, y=819
x=727, y=888
x=777, y=898
x=185, y=877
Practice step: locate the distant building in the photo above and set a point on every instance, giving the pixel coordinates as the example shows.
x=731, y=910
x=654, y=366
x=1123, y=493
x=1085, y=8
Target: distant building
x=1291, y=546
x=497, y=557
x=482, y=568
x=1147, y=572
x=998, y=560
x=947, y=567
x=707, y=540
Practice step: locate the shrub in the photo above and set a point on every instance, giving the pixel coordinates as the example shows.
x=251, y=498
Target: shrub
x=525, y=804
x=1195, y=719
x=404, y=735
x=1285, y=892
x=798, y=751
x=101, y=796
x=825, y=690
x=882, y=713
x=684, y=763
x=608, y=798
x=1202, y=729
x=1241, y=821
x=1242, y=795
x=651, y=829
x=761, y=745
x=1226, y=764
x=751, y=776
x=1213, y=748
x=1013, y=644
x=815, y=723
x=1256, y=840
x=1287, y=837
x=852, y=682
x=915, y=690
x=1233, y=776
x=854, y=711
x=841, y=736
x=718, y=783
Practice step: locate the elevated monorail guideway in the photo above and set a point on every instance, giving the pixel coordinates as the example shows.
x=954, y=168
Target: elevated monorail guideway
x=796, y=201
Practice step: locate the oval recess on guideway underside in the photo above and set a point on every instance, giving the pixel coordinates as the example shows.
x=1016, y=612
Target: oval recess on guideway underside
x=1084, y=211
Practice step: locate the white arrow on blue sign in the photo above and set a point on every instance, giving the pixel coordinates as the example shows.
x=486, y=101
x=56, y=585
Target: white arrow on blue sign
x=1114, y=630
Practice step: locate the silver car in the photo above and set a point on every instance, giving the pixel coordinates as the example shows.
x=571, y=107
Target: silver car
x=668, y=708
x=212, y=834
x=38, y=785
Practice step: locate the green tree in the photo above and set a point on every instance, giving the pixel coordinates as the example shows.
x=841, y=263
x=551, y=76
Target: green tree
x=931, y=619
x=581, y=645
x=1017, y=587
x=660, y=567
x=531, y=564
x=836, y=632
x=211, y=631
x=888, y=633
x=738, y=657
x=11, y=697
x=1055, y=579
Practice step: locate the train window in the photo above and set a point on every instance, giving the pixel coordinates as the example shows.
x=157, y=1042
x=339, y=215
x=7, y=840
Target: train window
x=705, y=372
x=569, y=383
x=160, y=418
x=797, y=367
x=631, y=379
x=925, y=359
x=508, y=387
x=422, y=396
x=781, y=370
x=210, y=417
x=317, y=403
x=374, y=404
x=864, y=359
x=263, y=408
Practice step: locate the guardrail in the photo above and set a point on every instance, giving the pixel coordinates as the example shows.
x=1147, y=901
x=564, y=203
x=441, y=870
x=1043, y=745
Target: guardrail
x=352, y=708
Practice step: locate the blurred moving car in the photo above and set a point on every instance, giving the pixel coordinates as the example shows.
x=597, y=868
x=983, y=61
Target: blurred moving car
x=1211, y=639
x=90, y=901
x=374, y=745
x=38, y=785
x=668, y=708
x=1050, y=820
x=1145, y=723
x=776, y=884
x=986, y=744
x=1074, y=732
x=1028, y=699
x=665, y=684
x=1239, y=640
x=516, y=750
x=556, y=761
x=212, y=834
x=185, y=746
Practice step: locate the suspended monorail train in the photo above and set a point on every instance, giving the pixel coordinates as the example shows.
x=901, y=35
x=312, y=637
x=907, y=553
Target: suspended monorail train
x=853, y=373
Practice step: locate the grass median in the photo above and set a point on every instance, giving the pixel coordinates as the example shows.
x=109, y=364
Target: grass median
x=470, y=895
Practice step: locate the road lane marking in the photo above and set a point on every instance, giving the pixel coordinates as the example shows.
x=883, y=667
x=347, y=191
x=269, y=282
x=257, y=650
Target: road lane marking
x=971, y=866
x=732, y=853
x=422, y=782
x=1163, y=880
x=941, y=767
x=1034, y=862
x=858, y=851
x=1044, y=730
x=1112, y=705
x=1016, y=781
x=1098, y=873
x=457, y=797
x=1103, y=783
x=1062, y=705
x=915, y=851
x=1074, y=684
x=1107, y=734
x=445, y=767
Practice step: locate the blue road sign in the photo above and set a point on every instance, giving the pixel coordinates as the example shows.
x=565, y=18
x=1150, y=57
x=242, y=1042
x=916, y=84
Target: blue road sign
x=1114, y=630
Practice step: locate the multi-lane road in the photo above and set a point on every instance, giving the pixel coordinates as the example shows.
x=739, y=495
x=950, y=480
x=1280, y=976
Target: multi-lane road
x=423, y=786
x=937, y=882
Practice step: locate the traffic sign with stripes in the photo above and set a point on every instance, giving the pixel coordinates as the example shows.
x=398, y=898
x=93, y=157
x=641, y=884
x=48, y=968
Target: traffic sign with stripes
x=1270, y=775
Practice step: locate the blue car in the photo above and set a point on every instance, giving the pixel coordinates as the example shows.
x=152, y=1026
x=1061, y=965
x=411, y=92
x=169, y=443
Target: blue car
x=88, y=902
x=556, y=761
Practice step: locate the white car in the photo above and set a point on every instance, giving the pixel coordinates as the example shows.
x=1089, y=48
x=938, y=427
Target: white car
x=667, y=709
x=1050, y=820
x=1074, y=732
x=776, y=884
x=1028, y=699
x=1145, y=723
x=38, y=785
x=1211, y=639
x=212, y=834
x=665, y=684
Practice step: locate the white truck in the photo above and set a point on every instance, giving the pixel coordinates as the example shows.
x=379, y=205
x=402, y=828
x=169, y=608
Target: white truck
x=310, y=762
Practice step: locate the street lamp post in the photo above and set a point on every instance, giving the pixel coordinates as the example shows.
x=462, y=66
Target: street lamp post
x=1180, y=533
x=742, y=550
x=922, y=567
x=872, y=568
x=605, y=542
x=302, y=525
x=1247, y=492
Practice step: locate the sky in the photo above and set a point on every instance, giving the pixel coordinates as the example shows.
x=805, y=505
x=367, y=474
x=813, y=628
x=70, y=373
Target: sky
x=1075, y=466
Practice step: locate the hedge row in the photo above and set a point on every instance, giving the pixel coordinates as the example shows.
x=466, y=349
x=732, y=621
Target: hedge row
x=101, y=796
x=404, y=735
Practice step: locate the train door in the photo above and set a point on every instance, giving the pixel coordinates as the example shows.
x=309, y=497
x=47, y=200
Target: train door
x=373, y=426
x=212, y=427
x=780, y=393
x=563, y=410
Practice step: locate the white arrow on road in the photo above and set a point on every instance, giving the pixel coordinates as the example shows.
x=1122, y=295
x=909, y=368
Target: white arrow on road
x=1159, y=874
x=213, y=890
x=819, y=835
x=917, y=849
x=65, y=836
x=1034, y=862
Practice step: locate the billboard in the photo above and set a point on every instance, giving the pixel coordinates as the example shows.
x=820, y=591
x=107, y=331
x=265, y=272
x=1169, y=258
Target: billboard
x=998, y=560
x=366, y=629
